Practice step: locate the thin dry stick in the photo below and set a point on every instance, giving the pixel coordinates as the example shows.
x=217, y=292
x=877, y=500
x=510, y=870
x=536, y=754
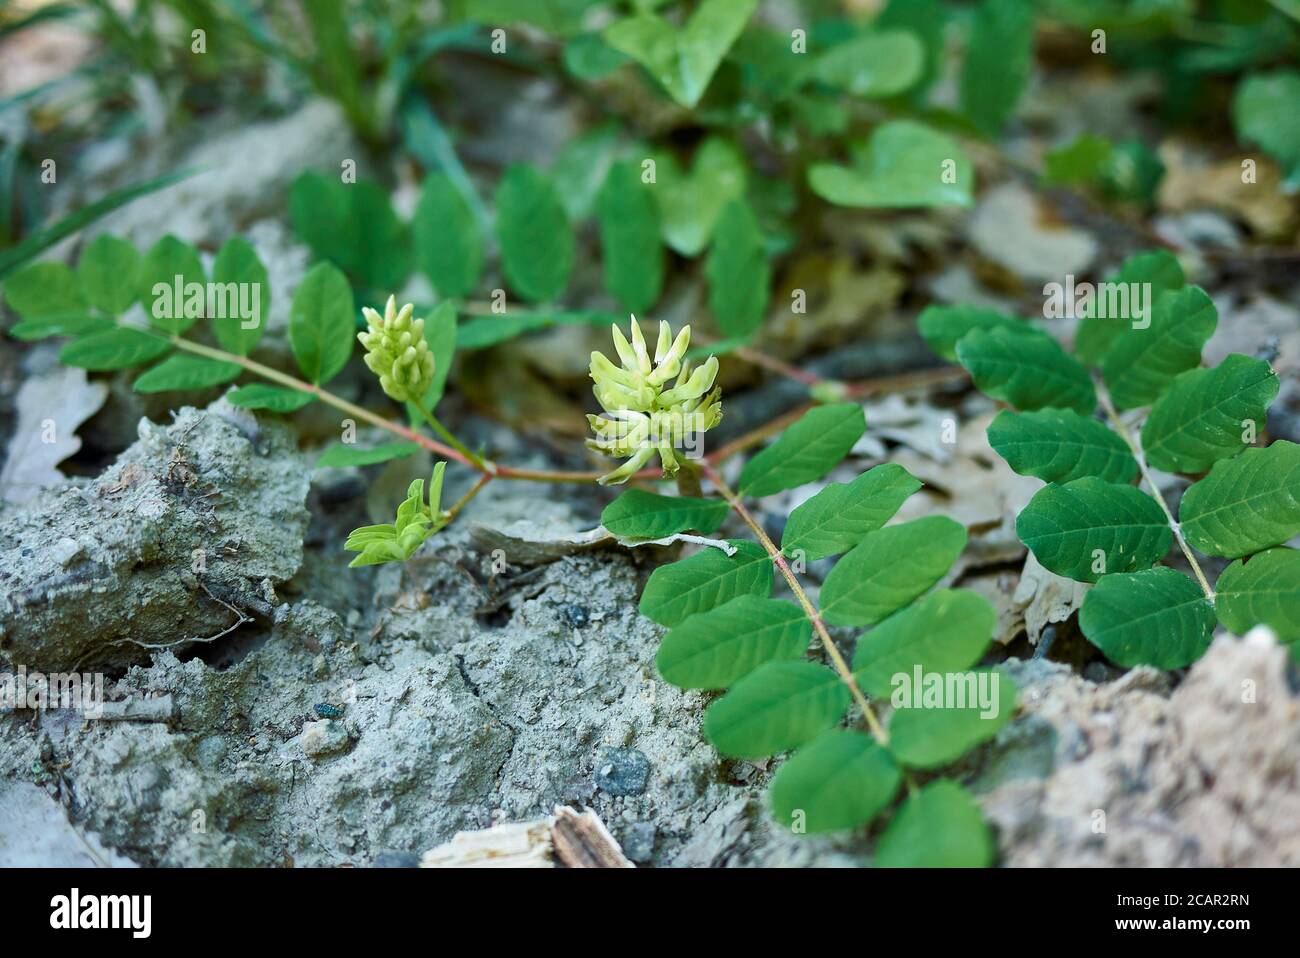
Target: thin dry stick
x=1133, y=446
x=823, y=636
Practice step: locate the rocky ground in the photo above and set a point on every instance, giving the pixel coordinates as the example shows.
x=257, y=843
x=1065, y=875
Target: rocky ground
x=471, y=692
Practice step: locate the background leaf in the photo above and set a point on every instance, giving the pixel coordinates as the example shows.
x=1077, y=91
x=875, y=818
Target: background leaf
x=938, y=827
x=904, y=165
x=186, y=371
x=713, y=649
x=947, y=631
x=808, y=450
x=738, y=272
x=448, y=239
x=1264, y=112
x=1059, y=445
x=167, y=259
x=1077, y=527
x=889, y=568
x=838, y=780
x=237, y=262
x=44, y=289
x=1245, y=504
x=536, y=242
x=632, y=253
x=777, y=706
x=705, y=580
x=1265, y=590
x=109, y=273
x=1028, y=371
x=999, y=54
x=943, y=326
x=880, y=64
x=118, y=348
x=322, y=325
x=1154, y=617
x=643, y=515
x=690, y=203
x=440, y=332
x=270, y=398
x=1203, y=416
x=837, y=518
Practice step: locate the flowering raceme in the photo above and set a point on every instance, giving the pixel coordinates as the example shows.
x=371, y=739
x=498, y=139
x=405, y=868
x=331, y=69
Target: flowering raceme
x=642, y=416
x=396, y=351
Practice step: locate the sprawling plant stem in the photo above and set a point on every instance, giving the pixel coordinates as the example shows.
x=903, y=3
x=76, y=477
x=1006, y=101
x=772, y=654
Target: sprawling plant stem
x=1136, y=449
x=823, y=636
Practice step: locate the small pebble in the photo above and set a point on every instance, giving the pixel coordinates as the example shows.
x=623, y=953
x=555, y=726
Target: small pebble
x=323, y=738
x=622, y=771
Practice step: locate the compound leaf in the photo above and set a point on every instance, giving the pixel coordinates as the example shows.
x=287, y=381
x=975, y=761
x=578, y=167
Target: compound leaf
x=889, y=568
x=837, y=518
x=1089, y=528
x=946, y=631
x=1029, y=371
x=1156, y=617
x=777, y=706
x=1265, y=590
x=1245, y=504
x=705, y=580
x=713, y=649
x=1059, y=445
x=838, y=780
x=1207, y=414
x=806, y=451
x=938, y=827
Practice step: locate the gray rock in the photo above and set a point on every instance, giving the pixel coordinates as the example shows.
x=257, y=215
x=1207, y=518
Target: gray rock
x=622, y=771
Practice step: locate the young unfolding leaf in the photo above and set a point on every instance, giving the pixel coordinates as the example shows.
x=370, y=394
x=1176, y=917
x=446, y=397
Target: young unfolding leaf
x=339, y=454
x=943, y=326
x=1029, y=371
x=537, y=245
x=416, y=521
x=1154, y=617
x=322, y=323
x=713, y=649
x=998, y=58
x=705, y=580
x=185, y=371
x=1142, y=362
x=838, y=780
x=947, y=631
x=629, y=238
x=238, y=263
x=637, y=514
x=889, y=568
x=938, y=827
x=904, y=165
x=1089, y=528
x=1262, y=591
x=109, y=272
x=837, y=518
x=738, y=272
x=806, y=451
x=922, y=735
x=1159, y=270
x=118, y=348
x=271, y=398
x=171, y=264
x=1059, y=445
x=684, y=60
x=448, y=239
x=1245, y=504
x=777, y=706
x=1209, y=414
